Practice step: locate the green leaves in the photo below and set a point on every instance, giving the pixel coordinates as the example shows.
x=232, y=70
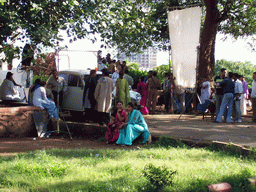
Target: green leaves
x=159, y=177
x=241, y=68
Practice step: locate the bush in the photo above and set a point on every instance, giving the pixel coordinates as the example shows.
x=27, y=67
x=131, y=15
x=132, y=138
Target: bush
x=136, y=74
x=158, y=177
x=41, y=77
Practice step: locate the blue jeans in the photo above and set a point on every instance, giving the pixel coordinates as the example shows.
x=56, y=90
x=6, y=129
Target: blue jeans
x=227, y=101
x=236, y=113
x=181, y=98
x=218, y=103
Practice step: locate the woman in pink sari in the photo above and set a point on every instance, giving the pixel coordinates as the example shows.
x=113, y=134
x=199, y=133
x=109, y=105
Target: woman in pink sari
x=142, y=88
x=116, y=123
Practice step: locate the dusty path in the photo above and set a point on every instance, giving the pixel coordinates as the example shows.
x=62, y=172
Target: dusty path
x=194, y=127
x=187, y=127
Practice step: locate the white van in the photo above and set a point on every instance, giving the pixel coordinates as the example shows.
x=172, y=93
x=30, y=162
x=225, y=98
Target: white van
x=73, y=98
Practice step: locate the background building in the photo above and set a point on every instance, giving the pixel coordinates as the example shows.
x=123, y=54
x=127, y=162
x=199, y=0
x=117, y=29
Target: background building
x=147, y=59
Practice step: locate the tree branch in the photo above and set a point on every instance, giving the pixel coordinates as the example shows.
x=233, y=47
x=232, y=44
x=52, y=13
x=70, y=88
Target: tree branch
x=225, y=12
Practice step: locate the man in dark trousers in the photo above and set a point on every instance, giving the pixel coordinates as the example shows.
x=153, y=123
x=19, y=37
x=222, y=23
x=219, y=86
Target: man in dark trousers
x=88, y=97
x=228, y=98
x=219, y=90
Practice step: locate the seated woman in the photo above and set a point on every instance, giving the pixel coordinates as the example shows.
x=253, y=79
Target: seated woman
x=8, y=91
x=135, y=126
x=40, y=99
x=31, y=91
x=117, y=121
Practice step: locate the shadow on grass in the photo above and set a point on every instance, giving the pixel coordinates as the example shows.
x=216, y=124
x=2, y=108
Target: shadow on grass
x=224, y=150
x=238, y=182
x=233, y=151
x=115, y=184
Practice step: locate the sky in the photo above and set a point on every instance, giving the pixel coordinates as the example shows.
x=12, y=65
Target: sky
x=230, y=50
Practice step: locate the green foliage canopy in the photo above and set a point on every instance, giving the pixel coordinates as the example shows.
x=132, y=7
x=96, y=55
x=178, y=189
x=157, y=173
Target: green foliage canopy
x=132, y=25
x=246, y=68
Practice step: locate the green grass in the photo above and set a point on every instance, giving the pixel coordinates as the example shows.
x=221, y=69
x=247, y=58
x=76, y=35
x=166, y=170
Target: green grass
x=122, y=169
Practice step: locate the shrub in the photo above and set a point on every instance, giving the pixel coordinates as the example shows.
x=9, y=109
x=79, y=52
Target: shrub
x=158, y=177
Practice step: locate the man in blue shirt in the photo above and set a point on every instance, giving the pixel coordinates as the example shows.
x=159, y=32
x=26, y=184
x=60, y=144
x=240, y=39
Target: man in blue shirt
x=228, y=89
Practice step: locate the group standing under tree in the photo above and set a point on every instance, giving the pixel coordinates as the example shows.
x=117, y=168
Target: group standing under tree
x=230, y=95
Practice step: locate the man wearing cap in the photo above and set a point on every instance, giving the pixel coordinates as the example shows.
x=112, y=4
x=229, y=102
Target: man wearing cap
x=8, y=91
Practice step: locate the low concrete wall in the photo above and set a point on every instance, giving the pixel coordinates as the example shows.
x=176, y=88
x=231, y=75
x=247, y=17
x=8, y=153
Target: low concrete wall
x=17, y=121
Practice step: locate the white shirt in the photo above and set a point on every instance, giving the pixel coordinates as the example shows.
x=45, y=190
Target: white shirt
x=9, y=91
x=57, y=85
x=238, y=87
x=253, y=94
x=115, y=76
x=102, y=66
x=206, y=90
x=39, y=95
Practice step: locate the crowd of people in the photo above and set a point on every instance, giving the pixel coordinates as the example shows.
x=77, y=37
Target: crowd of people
x=125, y=122
x=229, y=93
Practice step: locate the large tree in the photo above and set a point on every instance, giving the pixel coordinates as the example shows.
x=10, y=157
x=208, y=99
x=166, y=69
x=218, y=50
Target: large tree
x=132, y=25
x=38, y=22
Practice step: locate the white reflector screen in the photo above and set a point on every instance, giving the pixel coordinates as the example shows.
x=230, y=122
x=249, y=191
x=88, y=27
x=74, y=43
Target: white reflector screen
x=184, y=32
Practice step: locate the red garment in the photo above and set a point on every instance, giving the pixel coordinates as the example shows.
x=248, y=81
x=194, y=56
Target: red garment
x=113, y=131
x=142, y=88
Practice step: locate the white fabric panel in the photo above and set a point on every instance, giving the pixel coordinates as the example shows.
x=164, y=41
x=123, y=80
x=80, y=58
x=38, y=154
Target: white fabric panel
x=184, y=32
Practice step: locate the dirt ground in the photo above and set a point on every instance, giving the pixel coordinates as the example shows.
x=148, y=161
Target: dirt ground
x=12, y=146
x=161, y=124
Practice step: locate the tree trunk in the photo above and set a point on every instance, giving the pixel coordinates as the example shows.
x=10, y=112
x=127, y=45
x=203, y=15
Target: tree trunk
x=208, y=37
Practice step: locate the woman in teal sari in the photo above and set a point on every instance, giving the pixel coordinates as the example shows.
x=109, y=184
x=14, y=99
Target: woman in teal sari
x=135, y=126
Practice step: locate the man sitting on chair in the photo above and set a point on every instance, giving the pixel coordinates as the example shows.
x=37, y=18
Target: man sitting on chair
x=8, y=91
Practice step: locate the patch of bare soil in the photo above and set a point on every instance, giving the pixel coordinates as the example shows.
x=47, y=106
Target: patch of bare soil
x=160, y=126
x=12, y=146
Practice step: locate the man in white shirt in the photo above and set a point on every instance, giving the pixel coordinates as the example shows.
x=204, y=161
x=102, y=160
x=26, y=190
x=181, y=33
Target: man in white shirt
x=115, y=75
x=253, y=96
x=8, y=90
x=102, y=65
x=58, y=86
x=236, y=113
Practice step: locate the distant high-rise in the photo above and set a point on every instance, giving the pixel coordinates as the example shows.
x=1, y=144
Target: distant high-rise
x=147, y=59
